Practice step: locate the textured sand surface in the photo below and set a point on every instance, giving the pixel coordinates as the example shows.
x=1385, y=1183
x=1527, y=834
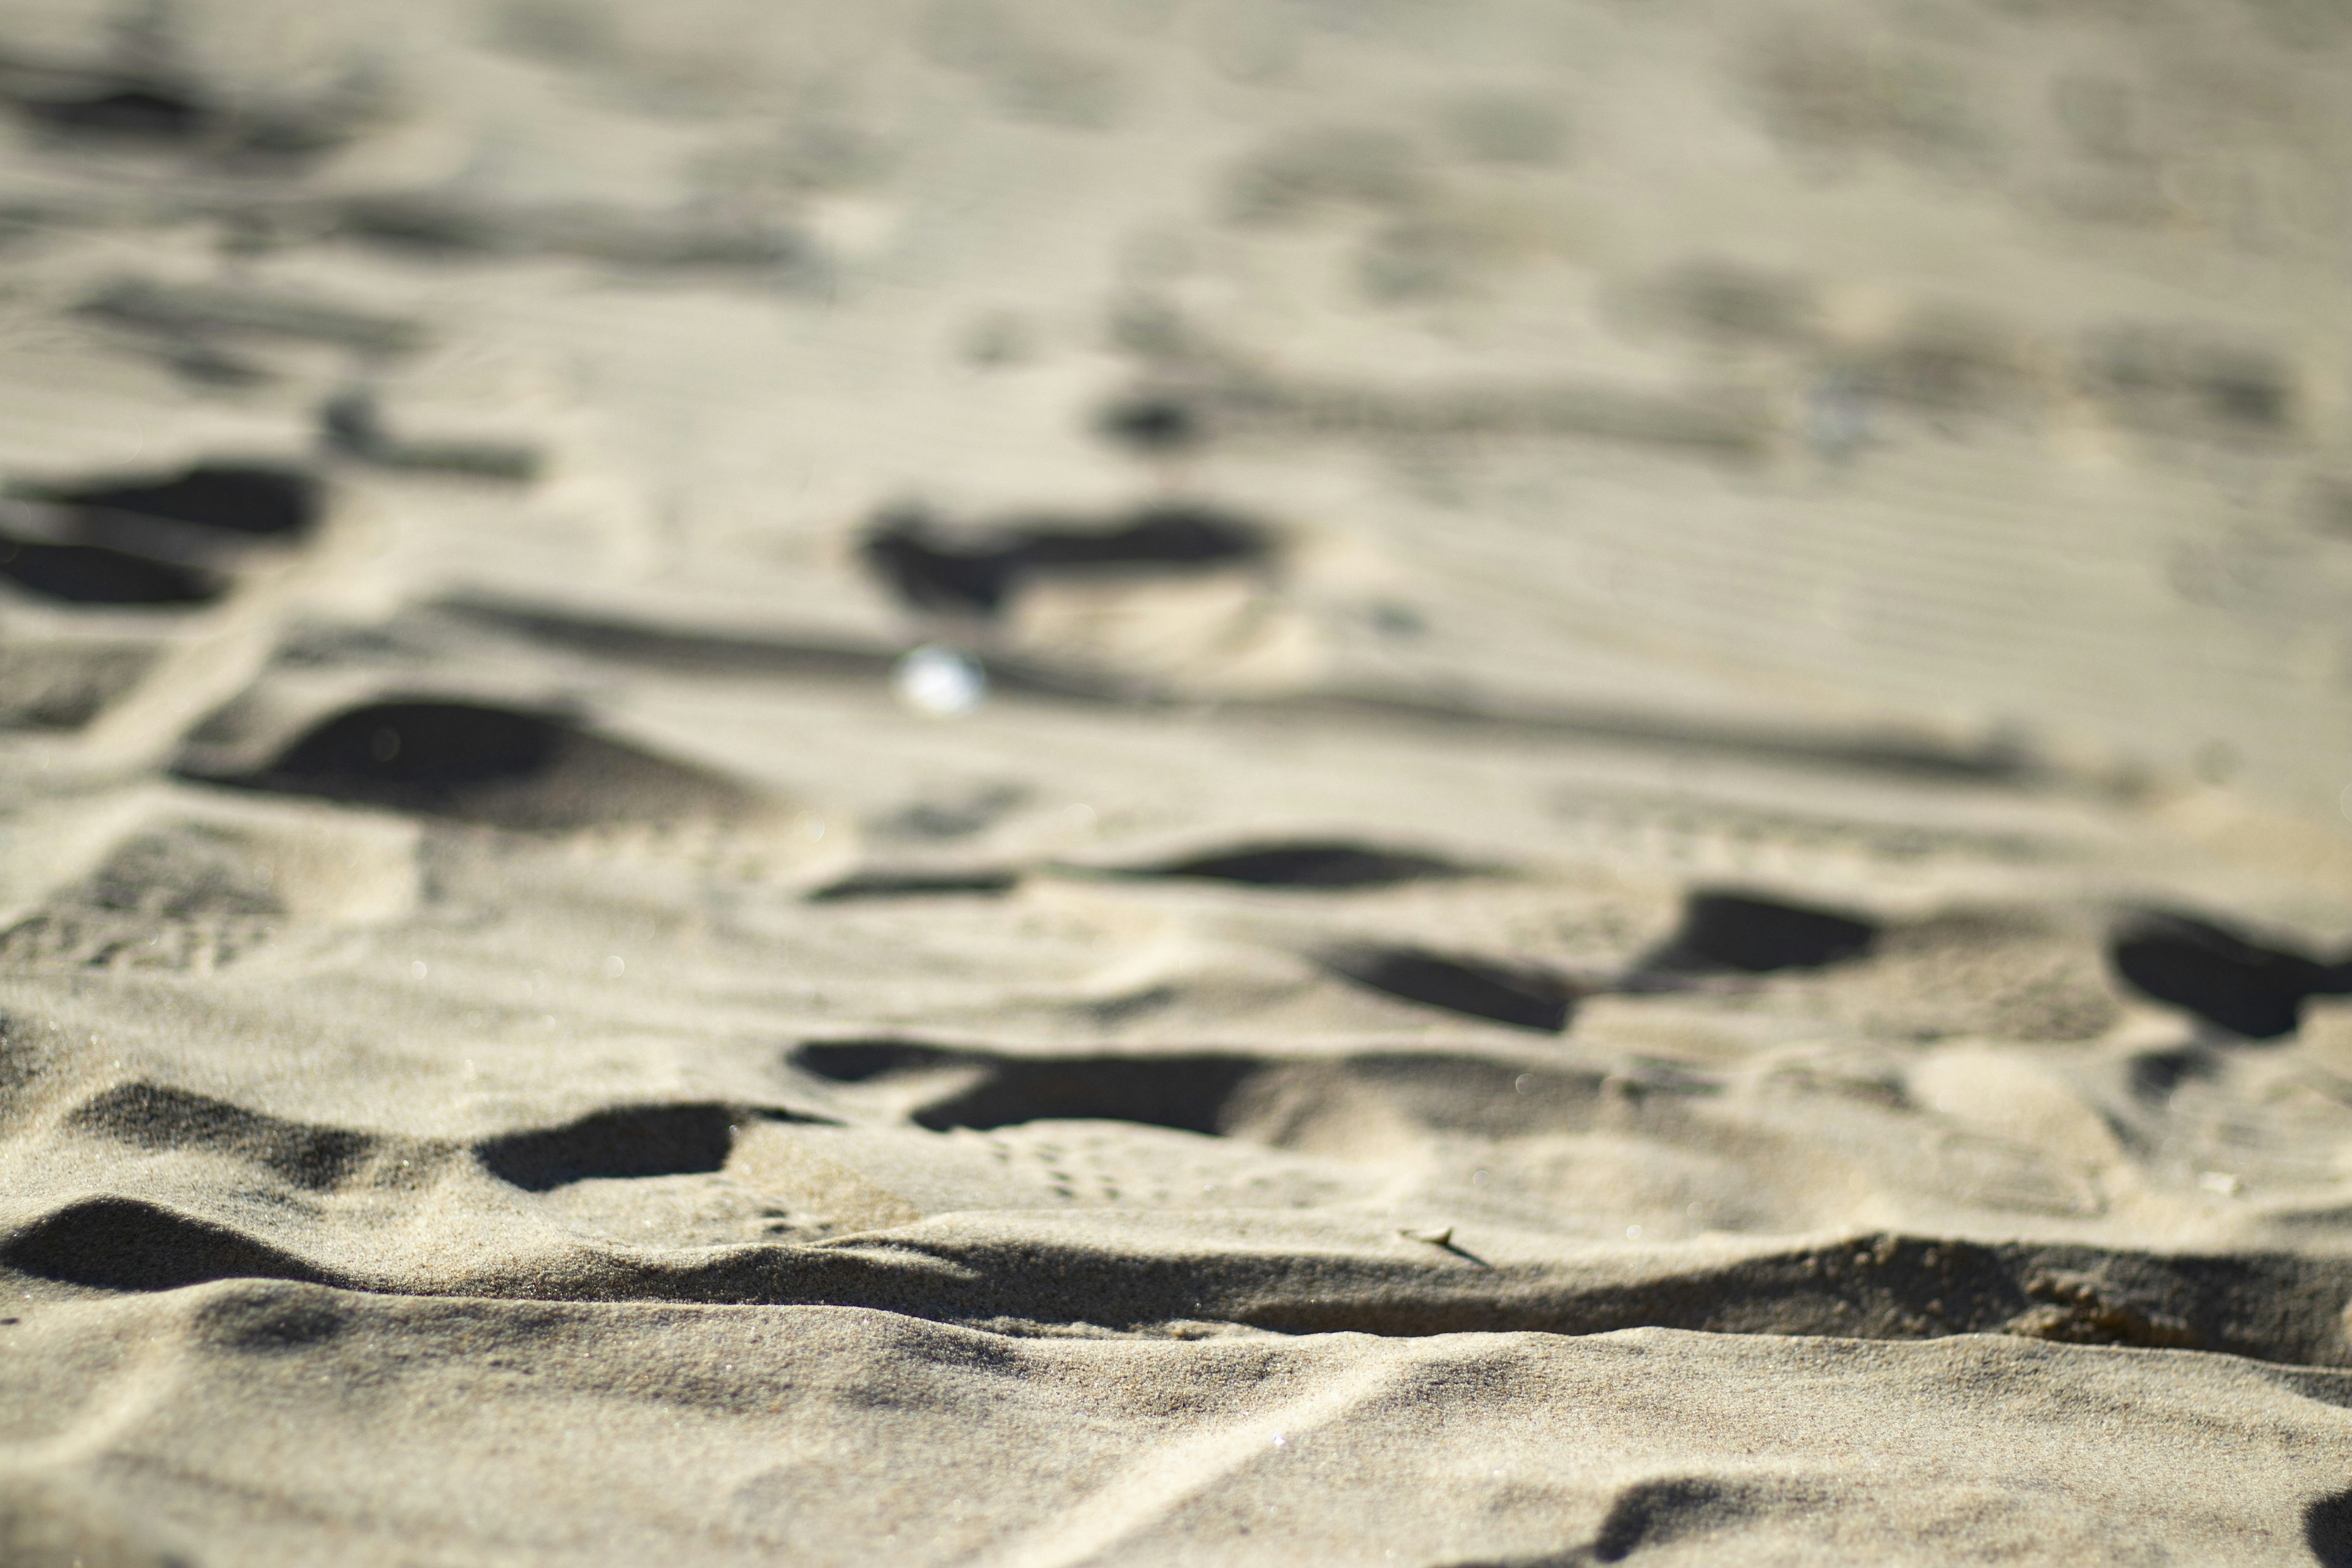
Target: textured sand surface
x=1657, y=865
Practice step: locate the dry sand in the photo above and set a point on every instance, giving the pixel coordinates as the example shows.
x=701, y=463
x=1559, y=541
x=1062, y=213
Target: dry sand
x=1655, y=866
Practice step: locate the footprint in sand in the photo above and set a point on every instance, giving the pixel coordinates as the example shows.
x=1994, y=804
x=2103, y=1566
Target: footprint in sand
x=540, y=773
x=207, y=886
x=121, y=582
x=1168, y=593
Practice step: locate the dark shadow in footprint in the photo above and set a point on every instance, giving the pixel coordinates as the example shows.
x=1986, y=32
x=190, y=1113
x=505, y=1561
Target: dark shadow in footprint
x=432, y=755
x=497, y=767
x=1662, y=1512
x=191, y=314
x=445, y=225
x=125, y=110
x=1154, y=425
x=2223, y=976
x=148, y=101
x=2165, y=379
x=1323, y=866
x=1521, y=996
x=668, y=647
x=939, y=885
x=864, y=1061
x=156, y=1117
x=2327, y=1529
x=628, y=1140
x=254, y=501
x=1729, y=302
x=1266, y=1100
x=976, y=573
x=1186, y=1093
x=123, y=1244
x=985, y=1090
x=353, y=424
x=150, y=543
x=1756, y=936
x=270, y=1319
x=93, y=574
x=2153, y=1076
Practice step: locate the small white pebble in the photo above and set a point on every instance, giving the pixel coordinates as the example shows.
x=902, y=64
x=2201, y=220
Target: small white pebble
x=940, y=681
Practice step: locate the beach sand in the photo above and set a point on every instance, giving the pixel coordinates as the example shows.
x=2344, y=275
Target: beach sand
x=1180, y=781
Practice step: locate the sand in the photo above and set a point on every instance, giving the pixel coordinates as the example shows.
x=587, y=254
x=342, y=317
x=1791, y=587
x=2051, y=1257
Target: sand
x=1620, y=832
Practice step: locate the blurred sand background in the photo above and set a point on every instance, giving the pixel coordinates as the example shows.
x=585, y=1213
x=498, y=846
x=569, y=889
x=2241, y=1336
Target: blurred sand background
x=1624, y=833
